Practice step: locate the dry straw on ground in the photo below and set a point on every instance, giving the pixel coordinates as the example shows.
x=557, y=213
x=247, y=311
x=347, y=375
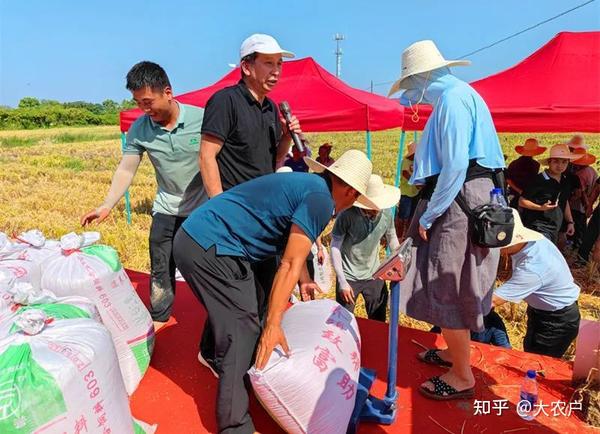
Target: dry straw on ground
x=49, y=178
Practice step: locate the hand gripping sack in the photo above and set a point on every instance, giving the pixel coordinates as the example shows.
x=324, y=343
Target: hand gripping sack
x=95, y=272
x=60, y=376
x=312, y=391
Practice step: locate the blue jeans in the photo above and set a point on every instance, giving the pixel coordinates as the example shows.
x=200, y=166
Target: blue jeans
x=494, y=333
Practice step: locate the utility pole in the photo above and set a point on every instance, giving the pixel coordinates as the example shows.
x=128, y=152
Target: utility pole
x=338, y=54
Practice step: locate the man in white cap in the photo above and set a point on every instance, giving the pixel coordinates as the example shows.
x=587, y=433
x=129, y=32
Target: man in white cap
x=243, y=136
x=542, y=278
x=450, y=280
x=278, y=214
x=355, y=249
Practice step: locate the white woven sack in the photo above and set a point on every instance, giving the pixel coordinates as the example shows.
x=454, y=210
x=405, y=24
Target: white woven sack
x=61, y=376
x=323, y=272
x=95, y=272
x=312, y=391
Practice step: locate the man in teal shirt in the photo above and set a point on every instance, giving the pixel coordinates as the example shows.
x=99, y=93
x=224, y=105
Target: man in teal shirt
x=169, y=132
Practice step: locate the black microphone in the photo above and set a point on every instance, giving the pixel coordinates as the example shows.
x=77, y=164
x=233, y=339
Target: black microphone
x=287, y=114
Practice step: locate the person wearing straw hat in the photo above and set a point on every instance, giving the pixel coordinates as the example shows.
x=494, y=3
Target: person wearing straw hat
x=243, y=137
x=579, y=202
x=577, y=142
x=590, y=240
x=410, y=192
x=277, y=214
x=545, y=203
x=450, y=280
x=521, y=171
x=356, y=237
x=541, y=277
x=325, y=154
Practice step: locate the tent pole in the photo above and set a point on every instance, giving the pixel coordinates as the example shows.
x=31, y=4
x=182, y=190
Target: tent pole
x=398, y=170
x=416, y=137
x=368, y=144
x=127, y=199
x=399, y=159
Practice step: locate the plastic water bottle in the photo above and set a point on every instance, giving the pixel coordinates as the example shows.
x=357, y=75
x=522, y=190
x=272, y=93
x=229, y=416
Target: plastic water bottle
x=497, y=197
x=529, y=396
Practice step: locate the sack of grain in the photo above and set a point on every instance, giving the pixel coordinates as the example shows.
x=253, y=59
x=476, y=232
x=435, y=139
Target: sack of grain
x=60, y=376
x=314, y=389
x=95, y=272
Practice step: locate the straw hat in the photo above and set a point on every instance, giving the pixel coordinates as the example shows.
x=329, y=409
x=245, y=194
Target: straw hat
x=586, y=159
x=577, y=142
x=561, y=151
x=383, y=195
x=420, y=57
x=354, y=168
x=521, y=234
x=531, y=148
x=412, y=147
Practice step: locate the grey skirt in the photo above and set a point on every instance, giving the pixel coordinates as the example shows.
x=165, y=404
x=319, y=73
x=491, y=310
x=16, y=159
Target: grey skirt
x=450, y=281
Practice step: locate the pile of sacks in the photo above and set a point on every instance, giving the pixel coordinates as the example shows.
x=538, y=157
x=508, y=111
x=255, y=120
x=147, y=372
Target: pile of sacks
x=75, y=339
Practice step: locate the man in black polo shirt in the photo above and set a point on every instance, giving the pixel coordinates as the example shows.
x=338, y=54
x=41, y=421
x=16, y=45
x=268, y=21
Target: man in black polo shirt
x=545, y=203
x=243, y=136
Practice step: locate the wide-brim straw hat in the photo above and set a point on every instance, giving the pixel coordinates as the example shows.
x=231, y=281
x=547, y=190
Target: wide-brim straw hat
x=521, y=234
x=586, y=159
x=383, y=195
x=561, y=151
x=412, y=147
x=420, y=57
x=354, y=168
x=577, y=142
x=530, y=148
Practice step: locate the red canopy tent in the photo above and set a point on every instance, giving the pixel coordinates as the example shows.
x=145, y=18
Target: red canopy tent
x=555, y=89
x=320, y=100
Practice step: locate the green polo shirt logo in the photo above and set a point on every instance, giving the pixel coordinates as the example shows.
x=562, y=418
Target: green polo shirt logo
x=194, y=141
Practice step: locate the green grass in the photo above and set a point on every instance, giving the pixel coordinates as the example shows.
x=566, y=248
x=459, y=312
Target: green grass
x=64, y=137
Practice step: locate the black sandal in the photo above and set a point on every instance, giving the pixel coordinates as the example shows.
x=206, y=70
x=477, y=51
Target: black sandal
x=431, y=357
x=444, y=392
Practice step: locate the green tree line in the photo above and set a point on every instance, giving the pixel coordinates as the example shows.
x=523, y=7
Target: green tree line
x=35, y=113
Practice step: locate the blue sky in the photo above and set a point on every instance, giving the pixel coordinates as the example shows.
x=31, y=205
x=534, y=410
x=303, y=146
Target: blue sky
x=81, y=50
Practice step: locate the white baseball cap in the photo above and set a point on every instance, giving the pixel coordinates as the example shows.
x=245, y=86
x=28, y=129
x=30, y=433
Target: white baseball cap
x=265, y=44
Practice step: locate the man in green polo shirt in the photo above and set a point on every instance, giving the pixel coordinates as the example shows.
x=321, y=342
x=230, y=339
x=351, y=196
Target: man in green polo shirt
x=169, y=132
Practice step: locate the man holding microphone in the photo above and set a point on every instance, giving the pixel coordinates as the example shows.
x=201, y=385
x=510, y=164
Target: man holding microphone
x=243, y=137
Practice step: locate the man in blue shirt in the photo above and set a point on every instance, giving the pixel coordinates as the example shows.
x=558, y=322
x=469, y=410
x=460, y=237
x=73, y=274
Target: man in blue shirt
x=542, y=278
x=277, y=214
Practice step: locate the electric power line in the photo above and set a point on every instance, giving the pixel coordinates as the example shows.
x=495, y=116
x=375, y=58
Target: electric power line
x=508, y=37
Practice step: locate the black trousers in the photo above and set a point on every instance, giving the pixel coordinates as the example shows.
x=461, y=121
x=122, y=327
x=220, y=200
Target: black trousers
x=591, y=235
x=264, y=274
x=551, y=333
x=375, y=294
x=226, y=287
x=579, y=221
x=162, y=265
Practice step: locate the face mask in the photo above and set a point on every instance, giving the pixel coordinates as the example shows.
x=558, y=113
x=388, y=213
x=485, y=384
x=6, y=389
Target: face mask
x=416, y=87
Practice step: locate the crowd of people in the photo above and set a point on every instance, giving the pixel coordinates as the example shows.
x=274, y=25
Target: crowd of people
x=240, y=231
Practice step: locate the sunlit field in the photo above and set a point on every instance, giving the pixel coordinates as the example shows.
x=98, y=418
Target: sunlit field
x=49, y=178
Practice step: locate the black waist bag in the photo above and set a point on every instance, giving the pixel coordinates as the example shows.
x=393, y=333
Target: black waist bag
x=491, y=224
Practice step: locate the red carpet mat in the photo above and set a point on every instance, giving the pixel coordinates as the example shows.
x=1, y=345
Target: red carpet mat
x=178, y=393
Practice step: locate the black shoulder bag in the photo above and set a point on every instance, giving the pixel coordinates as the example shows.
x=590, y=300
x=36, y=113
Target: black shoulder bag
x=491, y=224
